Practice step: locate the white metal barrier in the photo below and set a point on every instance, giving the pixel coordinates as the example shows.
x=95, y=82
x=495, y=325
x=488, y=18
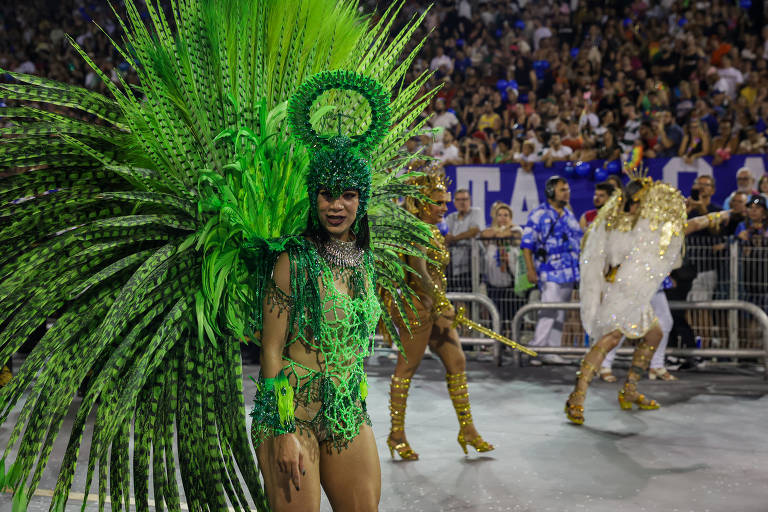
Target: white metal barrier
x=715, y=305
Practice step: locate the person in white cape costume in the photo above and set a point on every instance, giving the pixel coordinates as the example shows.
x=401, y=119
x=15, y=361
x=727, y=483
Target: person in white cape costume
x=635, y=241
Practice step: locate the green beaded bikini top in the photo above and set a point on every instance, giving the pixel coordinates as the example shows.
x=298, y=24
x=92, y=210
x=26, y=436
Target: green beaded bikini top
x=345, y=332
x=337, y=324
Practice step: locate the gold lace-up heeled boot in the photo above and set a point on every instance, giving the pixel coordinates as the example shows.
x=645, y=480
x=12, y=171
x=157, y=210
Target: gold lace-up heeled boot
x=398, y=397
x=574, y=406
x=629, y=394
x=457, y=389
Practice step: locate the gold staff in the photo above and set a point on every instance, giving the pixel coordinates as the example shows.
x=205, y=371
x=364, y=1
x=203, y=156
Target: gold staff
x=461, y=319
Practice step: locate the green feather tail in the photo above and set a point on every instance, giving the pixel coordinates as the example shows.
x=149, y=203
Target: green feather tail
x=129, y=233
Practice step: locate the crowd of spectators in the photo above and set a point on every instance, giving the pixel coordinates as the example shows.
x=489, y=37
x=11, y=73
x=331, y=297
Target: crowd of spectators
x=36, y=40
x=523, y=81
x=531, y=82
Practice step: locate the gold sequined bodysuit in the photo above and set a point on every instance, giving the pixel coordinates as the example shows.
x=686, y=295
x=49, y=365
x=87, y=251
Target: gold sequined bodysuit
x=438, y=258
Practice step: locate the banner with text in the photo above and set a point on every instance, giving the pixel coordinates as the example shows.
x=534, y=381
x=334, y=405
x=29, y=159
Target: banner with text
x=524, y=191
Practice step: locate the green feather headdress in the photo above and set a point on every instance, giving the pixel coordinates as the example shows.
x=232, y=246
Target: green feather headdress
x=339, y=162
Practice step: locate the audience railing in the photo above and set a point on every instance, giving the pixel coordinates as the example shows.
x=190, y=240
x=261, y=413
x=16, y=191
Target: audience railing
x=744, y=350
x=729, y=271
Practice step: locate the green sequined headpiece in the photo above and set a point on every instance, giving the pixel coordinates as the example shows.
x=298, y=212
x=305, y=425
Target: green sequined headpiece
x=339, y=162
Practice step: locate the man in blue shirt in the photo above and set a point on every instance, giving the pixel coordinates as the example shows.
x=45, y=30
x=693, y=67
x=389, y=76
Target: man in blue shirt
x=551, y=242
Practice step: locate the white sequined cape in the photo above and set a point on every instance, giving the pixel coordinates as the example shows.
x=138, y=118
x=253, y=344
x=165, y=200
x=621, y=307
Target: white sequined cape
x=640, y=250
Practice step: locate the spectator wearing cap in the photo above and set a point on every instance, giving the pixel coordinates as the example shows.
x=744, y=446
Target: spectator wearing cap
x=756, y=223
x=753, y=234
x=745, y=183
x=551, y=246
x=719, y=103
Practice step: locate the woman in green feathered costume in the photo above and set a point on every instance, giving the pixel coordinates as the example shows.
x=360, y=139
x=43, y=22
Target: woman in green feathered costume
x=175, y=230
x=319, y=313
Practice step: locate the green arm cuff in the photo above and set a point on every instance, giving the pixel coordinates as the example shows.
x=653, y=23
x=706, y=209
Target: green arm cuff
x=273, y=408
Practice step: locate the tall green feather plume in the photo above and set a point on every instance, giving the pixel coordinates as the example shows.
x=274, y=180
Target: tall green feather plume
x=138, y=251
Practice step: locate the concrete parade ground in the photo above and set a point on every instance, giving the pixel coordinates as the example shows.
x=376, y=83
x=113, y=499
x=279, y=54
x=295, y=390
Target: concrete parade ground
x=704, y=450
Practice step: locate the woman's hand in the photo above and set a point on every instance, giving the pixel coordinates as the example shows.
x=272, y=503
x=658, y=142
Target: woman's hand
x=290, y=458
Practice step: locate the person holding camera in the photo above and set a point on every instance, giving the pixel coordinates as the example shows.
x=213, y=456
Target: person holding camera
x=550, y=244
x=473, y=151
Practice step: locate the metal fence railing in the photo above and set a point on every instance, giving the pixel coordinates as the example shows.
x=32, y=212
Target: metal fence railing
x=745, y=349
x=715, y=268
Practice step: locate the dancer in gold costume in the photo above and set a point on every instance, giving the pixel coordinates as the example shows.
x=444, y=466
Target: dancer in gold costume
x=632, y=245
x=431, y=325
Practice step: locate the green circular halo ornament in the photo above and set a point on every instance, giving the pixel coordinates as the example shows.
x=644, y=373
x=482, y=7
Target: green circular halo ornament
x=339, y=162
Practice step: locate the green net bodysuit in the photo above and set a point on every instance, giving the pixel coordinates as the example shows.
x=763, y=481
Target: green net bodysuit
x=330, y=334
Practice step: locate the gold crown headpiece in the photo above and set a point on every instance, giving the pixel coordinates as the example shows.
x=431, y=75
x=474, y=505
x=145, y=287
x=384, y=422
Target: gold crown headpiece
x=639, y=173
x=430, y=178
